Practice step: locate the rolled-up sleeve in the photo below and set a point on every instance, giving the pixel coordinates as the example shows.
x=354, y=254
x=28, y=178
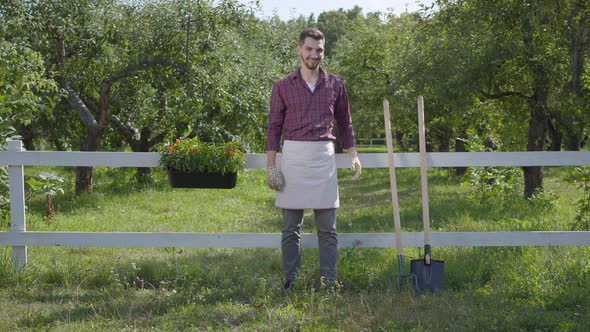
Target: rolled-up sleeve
x=343, y=119
x=275, y=119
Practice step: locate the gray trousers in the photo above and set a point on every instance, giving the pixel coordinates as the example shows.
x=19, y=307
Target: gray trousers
x=325, y=220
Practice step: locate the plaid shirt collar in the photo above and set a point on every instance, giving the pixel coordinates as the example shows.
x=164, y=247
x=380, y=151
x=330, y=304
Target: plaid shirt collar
x=297, y=75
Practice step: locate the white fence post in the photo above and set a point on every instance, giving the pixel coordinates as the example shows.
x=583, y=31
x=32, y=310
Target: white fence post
x=17, y=205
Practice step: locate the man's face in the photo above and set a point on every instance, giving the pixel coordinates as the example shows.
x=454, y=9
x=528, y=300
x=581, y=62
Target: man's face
x=311, y=53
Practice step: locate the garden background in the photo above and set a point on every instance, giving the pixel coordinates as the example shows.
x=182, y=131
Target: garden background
x=109, y=75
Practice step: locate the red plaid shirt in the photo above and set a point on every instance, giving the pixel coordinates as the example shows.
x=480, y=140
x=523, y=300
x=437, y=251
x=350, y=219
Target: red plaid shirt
x=306, y=116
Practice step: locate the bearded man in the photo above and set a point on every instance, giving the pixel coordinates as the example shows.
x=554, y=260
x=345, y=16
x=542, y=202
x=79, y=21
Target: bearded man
x=303, y=108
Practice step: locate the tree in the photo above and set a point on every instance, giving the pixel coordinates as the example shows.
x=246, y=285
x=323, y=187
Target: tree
x=362, y=58
x=336, y=23
x=483, y=67
x=24, y=92
x=152, y=69
x=232, y=64
x=522, y=60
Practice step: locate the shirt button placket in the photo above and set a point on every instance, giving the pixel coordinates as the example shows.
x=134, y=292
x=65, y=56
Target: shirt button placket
x=314, y=114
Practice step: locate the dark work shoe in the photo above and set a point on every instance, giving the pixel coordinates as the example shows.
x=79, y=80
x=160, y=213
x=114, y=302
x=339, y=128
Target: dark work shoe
x=289, y=285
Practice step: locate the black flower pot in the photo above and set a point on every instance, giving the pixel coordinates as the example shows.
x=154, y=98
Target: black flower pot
x=179, y=179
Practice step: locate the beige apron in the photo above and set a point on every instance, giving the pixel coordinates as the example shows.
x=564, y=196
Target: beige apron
x=311, y=180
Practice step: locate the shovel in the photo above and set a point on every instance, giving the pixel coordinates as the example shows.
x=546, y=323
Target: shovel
x=393, y=183
x=429, y=272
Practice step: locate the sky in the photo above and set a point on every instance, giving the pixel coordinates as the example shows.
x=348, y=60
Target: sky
x=293, y=9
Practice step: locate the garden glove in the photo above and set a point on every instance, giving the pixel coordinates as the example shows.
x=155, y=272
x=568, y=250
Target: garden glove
x=274, y=179
x=355, y=165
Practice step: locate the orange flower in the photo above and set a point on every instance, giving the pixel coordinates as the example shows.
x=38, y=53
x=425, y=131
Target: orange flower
x=230, y=153
x=177, y=142
x=171, y=148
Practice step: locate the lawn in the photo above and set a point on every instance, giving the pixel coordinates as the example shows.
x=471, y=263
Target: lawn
x=176, y=289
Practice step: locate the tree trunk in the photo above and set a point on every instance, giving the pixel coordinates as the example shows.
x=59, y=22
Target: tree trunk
x=460, y=147
x=144, y=144
x=26, y=134
x=399, y=139
x=533, y=180
x=93, y=128
x=84, y=174
x=84, y=180
x=572, y=142
x=539, y=120
x=444, y=144
x=579, y=34
x=556, y=136
x=584, y=141
x=139, y=141
x=533, y=175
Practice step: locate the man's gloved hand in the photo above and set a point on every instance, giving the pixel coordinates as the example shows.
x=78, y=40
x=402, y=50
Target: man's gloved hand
x=356, y=164
x=274, y=179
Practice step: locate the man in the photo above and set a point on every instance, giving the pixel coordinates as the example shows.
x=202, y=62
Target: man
x=303, y=108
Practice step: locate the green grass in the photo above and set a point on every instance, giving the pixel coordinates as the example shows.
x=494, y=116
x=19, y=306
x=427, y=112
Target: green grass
x=114, y=289
x=372, y=149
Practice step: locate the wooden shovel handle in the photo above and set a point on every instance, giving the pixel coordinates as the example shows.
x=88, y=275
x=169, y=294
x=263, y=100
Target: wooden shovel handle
x=423, y=174
x=392, y=179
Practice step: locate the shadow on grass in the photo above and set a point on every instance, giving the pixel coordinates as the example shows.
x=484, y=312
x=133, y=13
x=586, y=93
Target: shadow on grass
x=449, y=203
x=195, y=286
x=365, y=204
x=115, y=183
x=150, y=287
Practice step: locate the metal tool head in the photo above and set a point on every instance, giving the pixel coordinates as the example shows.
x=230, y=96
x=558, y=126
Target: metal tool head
x=429, y=274
x=403, y=278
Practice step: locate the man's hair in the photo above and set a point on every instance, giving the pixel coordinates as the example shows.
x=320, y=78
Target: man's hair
x=311, y=33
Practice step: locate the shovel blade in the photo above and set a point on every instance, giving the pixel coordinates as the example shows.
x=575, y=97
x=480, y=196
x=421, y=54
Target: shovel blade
x=429, y=276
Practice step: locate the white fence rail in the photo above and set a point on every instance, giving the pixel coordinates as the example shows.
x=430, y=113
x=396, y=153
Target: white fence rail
x=19, y=238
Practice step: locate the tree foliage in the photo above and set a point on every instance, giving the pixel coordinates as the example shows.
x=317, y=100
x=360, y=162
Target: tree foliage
x=137, y=73
x=484, y=67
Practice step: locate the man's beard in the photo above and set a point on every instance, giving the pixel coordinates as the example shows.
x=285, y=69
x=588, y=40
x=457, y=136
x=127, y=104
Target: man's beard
x=310, y=64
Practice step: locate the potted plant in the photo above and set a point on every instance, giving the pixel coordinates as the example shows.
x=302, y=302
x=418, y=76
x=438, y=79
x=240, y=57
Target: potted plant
x=194, y=164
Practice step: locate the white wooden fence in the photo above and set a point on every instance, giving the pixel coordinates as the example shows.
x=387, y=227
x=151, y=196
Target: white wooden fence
x=19, y=238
